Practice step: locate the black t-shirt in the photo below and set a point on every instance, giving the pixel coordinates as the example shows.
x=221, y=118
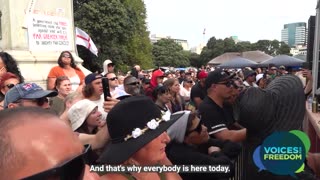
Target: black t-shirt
x=213, y=116
x=198, y=91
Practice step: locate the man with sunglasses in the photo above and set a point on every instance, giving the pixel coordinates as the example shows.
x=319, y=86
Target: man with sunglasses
x=113, y=86
x=28, y=94
x=132, y=86
x=213, y=114
x=35, y=144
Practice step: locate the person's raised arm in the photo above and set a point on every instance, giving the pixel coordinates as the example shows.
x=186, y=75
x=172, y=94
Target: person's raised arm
x=232, y=135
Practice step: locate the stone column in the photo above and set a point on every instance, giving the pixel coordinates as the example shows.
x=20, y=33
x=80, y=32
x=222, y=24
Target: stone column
x=35, y=32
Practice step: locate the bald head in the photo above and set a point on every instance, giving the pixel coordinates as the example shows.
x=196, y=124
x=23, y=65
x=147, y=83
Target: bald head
x=34, y=140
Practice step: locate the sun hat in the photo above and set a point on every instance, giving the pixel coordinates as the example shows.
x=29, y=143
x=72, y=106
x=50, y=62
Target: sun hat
x=79, y=112
x=26, y=91
x=133, y=123
x=279, y=107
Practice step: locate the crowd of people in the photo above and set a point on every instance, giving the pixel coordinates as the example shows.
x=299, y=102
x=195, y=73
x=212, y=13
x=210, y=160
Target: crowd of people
x=206, y=116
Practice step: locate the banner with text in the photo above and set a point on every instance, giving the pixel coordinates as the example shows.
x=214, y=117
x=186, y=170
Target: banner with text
x=49, y=33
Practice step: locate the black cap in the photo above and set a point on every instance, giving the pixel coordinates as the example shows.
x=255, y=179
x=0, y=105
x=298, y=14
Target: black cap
x=216, y=76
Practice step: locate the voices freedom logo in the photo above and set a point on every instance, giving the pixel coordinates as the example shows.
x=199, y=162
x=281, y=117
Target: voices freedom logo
x=283, y=153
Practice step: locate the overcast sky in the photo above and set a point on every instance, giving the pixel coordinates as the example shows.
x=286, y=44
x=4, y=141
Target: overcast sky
x=250, y=20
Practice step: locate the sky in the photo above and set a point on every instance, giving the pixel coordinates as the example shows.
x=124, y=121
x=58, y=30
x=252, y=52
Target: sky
x=250, y=20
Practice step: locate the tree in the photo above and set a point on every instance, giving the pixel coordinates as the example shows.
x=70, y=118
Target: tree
x=243, y=46
x=118, y=29
x=284, y=49
x=168, y=53
x=195, y=60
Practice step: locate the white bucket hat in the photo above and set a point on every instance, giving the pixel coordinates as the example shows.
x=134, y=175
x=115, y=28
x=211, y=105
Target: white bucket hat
x=79, y=112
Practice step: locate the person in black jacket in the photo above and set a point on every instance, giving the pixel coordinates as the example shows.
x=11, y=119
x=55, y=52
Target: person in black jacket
x=191, y=145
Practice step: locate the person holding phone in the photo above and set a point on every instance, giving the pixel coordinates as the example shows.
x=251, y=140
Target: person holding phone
x=93, y=90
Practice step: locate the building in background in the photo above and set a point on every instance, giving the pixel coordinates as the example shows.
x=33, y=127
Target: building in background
x=197, y=49
x=182, y=42
x=294, y=34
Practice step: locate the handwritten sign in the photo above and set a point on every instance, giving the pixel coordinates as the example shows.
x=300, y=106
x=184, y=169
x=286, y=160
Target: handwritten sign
x=49, y=33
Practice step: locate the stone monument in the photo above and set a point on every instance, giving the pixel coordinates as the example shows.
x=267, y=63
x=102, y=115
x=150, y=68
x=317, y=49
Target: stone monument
x=35, y=32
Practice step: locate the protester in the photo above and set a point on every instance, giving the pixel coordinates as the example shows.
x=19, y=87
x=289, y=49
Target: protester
x=213, y=113
x=278, y=107
x=162, y=97
x=7, y=81
x=108, y=67
x=249, y=78
x=132, y=86
x=63, y=87
x=138, y=137
x=66, y=67
x=190, y=138
x=198, y=91
x=93, y=91
x=85, y=117
x=36, y=145
x=177, y=102
x=185, y=89
x=9, y=64
x=28, y=94
x=113, y=86
x=156, y=79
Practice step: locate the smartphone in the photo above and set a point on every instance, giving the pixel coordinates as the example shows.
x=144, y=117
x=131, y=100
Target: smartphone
x=106, y=89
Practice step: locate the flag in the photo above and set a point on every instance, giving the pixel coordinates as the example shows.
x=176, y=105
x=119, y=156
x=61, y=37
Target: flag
x=83, y=39
x=204, y=31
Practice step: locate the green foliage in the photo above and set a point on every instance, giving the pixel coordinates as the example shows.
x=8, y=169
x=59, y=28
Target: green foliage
x=216, y=47
x=168, y=53
x=118, y=29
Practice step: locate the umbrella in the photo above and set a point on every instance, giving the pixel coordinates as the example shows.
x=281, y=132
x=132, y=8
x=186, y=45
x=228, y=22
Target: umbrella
x=284, y=60
x=238, y=62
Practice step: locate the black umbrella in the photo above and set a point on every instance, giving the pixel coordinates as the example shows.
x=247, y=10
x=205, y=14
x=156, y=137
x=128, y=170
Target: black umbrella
x=238, y=62
x=283, y=60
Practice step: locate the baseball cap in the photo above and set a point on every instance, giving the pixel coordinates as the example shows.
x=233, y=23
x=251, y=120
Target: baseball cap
x=91, y=77
x=26, y=91
x=202, y=74
x=216, y=76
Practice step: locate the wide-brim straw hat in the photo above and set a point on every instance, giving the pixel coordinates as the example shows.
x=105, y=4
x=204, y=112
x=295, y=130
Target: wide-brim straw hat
x=279, y=107
x=123, y=120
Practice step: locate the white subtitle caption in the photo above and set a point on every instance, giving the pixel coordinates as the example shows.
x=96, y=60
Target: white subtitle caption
x=162, y=168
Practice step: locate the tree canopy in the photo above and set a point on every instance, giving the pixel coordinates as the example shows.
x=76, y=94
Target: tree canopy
x=118, y=29
x=168, y=53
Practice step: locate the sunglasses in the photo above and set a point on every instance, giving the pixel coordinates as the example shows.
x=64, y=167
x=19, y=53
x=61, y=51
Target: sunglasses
x=197, y=129
x=110, y=65
x=9, y=86
x=39, y=101
x=133, y=83
x=66, y=56
x=227, y=84
x=112, y=79
x=71, y=169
